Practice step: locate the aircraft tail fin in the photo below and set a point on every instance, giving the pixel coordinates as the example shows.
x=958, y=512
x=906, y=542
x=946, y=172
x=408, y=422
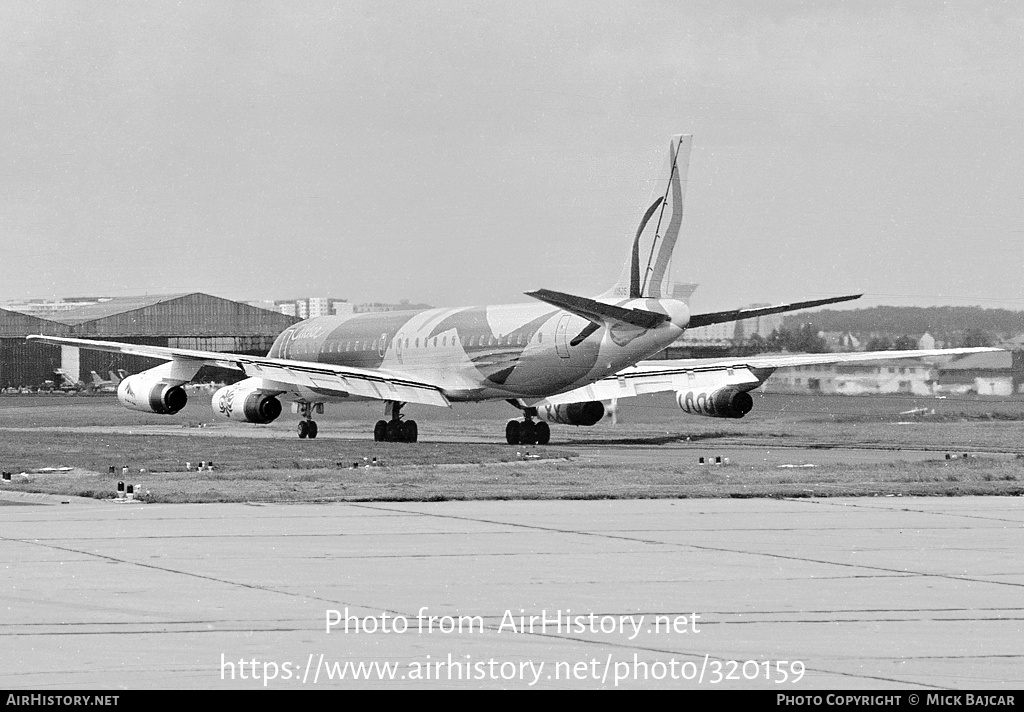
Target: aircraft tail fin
x=647, y=272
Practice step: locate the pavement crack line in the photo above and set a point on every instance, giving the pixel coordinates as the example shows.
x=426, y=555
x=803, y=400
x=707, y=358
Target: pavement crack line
x=702, y=547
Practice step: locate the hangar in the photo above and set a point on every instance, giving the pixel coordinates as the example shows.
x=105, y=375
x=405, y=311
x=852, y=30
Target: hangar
x=23, y=363
x=191, y=321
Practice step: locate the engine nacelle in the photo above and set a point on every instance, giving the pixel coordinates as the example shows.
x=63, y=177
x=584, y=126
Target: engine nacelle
x=588, y=413
x=724, y=403
x=246, y=404
x=153, y=395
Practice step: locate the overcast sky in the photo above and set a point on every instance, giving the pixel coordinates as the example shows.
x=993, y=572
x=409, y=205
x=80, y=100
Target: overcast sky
x=462, y=153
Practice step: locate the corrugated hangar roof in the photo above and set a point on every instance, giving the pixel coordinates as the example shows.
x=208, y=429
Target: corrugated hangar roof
x=160, y=316
x=195, y=314
x=986, y=359
x=109, y=306
x=16, y=324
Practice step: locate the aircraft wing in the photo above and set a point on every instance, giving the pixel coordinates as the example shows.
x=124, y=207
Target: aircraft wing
x=744, y=372
x=366, y=383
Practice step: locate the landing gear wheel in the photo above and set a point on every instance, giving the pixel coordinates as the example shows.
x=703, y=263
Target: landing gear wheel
x=311, y=429
x=303, y=429
x=512, y=432
x=527, y=433
x=393, y=431
x=409, y=431
x=543, y=433
x=380, y=431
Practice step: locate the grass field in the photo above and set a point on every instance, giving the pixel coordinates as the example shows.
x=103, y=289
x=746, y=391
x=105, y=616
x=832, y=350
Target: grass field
x=460, y=455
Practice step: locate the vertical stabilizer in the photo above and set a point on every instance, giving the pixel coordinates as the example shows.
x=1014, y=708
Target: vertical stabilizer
x=647, y=272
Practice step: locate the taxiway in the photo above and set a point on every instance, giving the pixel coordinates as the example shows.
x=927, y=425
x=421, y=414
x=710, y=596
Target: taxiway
x=879, y=593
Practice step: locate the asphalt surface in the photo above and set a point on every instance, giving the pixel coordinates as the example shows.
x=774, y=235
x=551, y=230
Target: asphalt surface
x=876, y=593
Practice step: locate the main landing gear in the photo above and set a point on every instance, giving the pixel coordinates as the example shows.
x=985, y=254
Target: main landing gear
x=307, y=426
x=394, y=429
x=526, y=431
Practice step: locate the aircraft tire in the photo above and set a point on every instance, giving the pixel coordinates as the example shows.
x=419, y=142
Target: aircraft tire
x=543, y=433
x=380, y=431
x=393, y=431
x=512, y=432
x=527, y=433
x=303, y=429
x=311, y=429
x=410, y=432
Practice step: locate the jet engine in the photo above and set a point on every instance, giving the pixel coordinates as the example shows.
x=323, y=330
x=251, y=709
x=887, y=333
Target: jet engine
x=247, y=404
x=726, y=402
x=151, y=394
x=588, y=413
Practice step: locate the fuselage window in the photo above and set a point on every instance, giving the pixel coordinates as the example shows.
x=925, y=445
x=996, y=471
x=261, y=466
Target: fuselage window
x=519, y=339
x=417, y=343
x=540, y=338
x=435, y=342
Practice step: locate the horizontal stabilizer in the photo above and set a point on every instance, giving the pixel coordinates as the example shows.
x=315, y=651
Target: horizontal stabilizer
x=738, y=314
x=599, y=312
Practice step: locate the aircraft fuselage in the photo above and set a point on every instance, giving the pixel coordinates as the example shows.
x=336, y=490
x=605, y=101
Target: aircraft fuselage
x=483, y=353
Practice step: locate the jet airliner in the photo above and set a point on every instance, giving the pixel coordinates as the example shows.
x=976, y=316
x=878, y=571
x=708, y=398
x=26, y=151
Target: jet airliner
x=558, y=359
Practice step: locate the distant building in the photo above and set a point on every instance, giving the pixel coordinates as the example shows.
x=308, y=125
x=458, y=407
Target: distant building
x=28, y=363
x=763, y=326
x=51, y=308
x=404, y=305
x=711, y=335
x=188, y=321
x=842, y=341
x=910, y=376
x=993, y=373
x=268, y=305
x=309, y=307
